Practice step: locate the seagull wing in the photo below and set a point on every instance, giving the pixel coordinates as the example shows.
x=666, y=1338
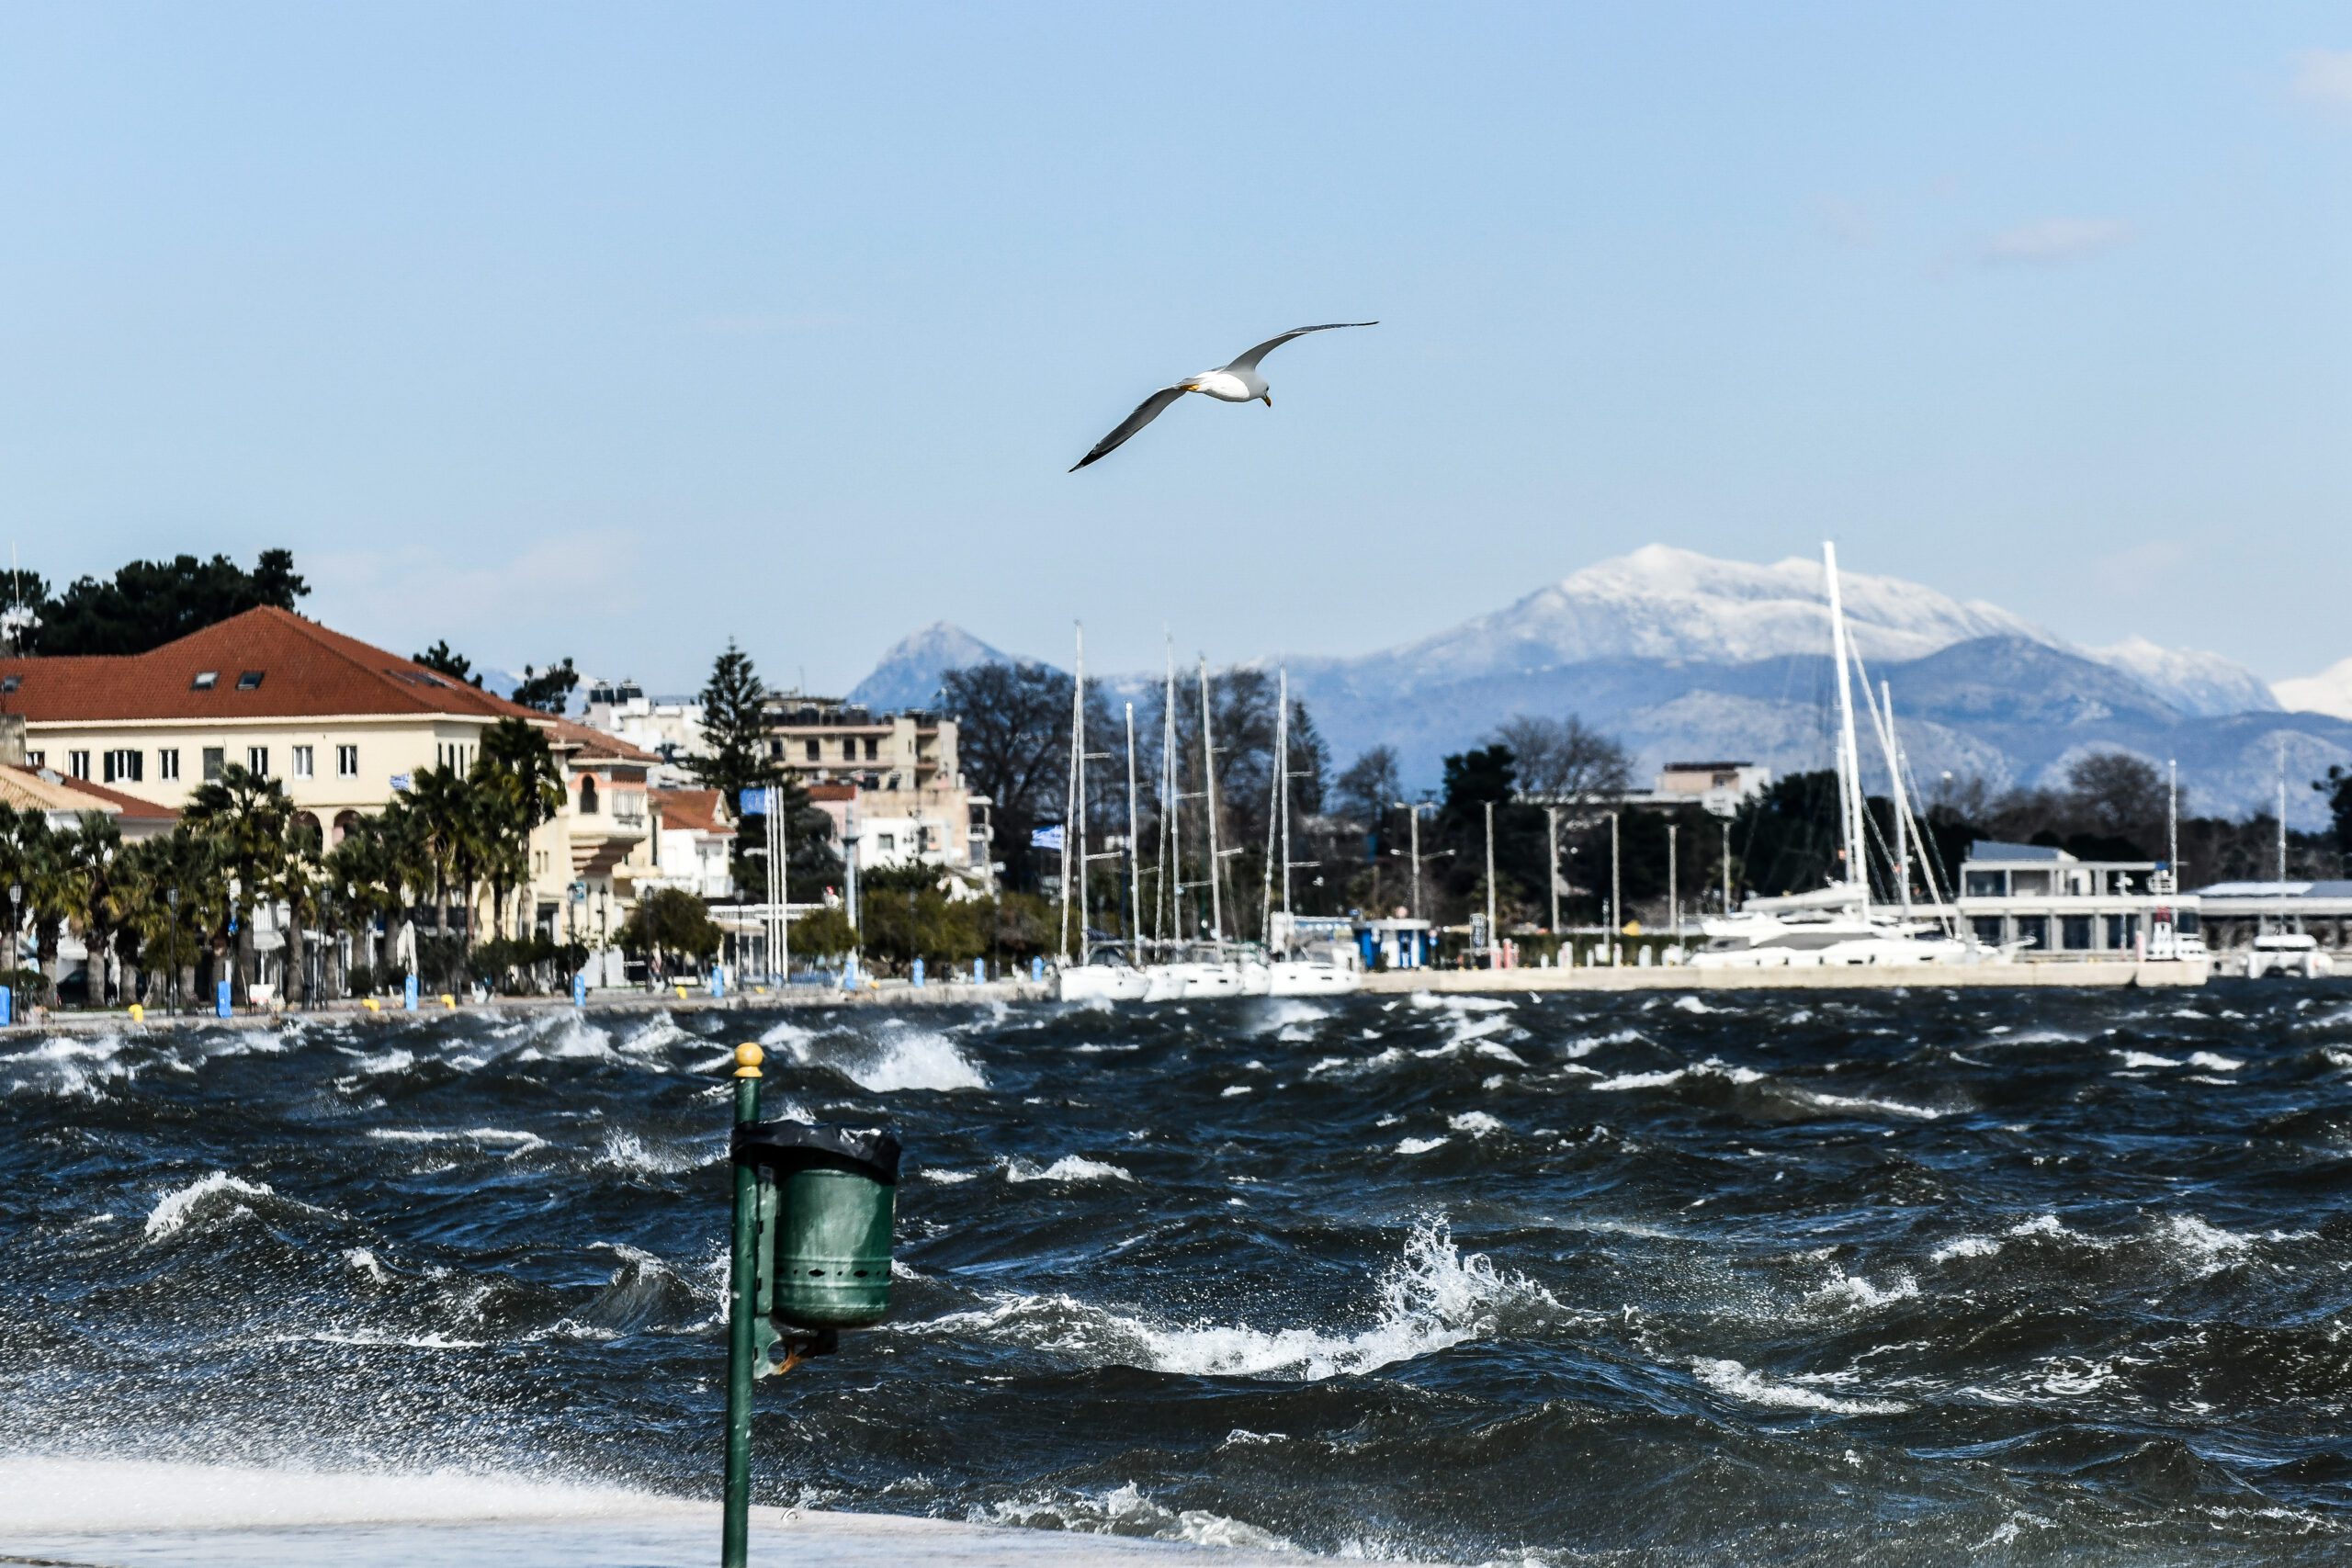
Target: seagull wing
x=1145, y=412
x=1249, y=361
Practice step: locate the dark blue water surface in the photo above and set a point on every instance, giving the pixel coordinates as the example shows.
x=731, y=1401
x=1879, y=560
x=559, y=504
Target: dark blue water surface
x=1903, y=1277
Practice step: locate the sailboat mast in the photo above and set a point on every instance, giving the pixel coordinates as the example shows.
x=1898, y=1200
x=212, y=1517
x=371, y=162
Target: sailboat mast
x=1208, y=791
x=1135, y=850
x=1850, y=795
x=1902, y=805
x=1070, y=793
x=1172, y=803
x=1281, y=772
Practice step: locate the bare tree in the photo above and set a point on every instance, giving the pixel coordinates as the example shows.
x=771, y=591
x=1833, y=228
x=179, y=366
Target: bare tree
x=1565, y=759
x=1368, y=788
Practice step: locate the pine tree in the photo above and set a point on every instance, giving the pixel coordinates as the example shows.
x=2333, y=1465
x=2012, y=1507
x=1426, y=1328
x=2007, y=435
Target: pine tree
x=735, y=757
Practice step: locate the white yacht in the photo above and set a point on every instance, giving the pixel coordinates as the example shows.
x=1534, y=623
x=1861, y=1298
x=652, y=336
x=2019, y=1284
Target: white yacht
x=2287, y=953
x=1838, y=924
x=1106, y=976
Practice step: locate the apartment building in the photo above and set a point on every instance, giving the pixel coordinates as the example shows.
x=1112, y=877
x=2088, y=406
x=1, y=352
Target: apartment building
x=344, y=727
x=890, y=780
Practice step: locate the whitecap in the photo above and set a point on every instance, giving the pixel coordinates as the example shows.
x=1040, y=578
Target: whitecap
x=1420, y=1146
x=1478, y=1123
x=1733, y=1378
x=905, y=1058
x=1233, y=1092
x=2213, y=1062
x=1433, y=1297
x=177, y=1209
x=1713, y=1067
x=2145, y=1059
x=1852, y=1292
x=1692, y=1004
x=1070, y=1168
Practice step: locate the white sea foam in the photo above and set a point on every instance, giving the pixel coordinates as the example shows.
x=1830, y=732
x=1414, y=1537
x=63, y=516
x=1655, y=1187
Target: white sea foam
x=1463, y=1004
x=1692, y=1004
x=520, y=1143
x=1853, y=1292
x=1233, y=1092
x=2146, y=1059
x=365, y=1262
x=1478, y=1123
x=1127, y=1511
x=68, y=1067
x=1864, y=1104
x=1733, y=1378
x=2212, y=1062
x=1420, y=1146
x=373, y=1336
x=905, y=1058
x=947, y=1177
x=1965, y=1246
x=1433, y=1297
x=1070, y=1168
x=1713, y=1067
x=220, y=1190
x=629, y=1151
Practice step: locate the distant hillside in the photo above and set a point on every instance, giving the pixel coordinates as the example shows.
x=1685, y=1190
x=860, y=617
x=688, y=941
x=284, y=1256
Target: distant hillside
x=1682, y=655
x=909, y=674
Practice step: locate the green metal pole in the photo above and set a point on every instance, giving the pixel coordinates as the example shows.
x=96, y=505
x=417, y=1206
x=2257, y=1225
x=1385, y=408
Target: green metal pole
x=736, y=1540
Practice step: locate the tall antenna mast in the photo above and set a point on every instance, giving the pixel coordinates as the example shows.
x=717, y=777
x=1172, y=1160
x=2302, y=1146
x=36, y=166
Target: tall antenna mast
x=1850, y=793
x=1282, y=771
x=1208, y=790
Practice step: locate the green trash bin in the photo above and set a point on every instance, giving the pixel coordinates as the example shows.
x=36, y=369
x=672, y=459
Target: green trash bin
x=828, y=1198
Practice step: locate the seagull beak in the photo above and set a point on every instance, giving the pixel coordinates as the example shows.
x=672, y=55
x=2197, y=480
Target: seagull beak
x=1269, y=397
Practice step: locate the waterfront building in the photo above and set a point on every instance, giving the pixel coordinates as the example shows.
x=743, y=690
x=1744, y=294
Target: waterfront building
x=342, y=727
x=2054, y=905
x=693, y=836
x=668, y=729
x=63, y=802
x=889, y=781
x=2237, y=912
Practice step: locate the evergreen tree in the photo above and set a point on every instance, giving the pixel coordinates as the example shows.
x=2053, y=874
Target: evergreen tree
x=148, y=603
x=446, y=660
x=547, y=690
x=735, y=757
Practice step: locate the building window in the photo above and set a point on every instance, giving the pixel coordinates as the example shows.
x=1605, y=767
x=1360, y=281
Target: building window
x=2034, y=932
x=1988, y=929
x=257, y=761
x=873, y=748
x=8, y=684
x=2186, y=922
x=167, y=763
x=36, y=759
x=813, y=754
x=2074, y=932
x=347, y=761
x=301, y=761
x=123, y=766
x=205, y=681
x=775, y=749
x=78, y=763
x=886, y=843
x=250, y=681
x=587, y=798
x=1985, y=884
x=2122, y=931
x=216, y=759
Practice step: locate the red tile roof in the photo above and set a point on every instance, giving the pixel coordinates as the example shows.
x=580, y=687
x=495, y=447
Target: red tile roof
x=832, y=792
x=306, y=671
x=596, y=743
x=56, y=792
x=690, y=810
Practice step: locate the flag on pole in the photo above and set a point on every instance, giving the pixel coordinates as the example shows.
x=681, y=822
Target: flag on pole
x=1046, y=837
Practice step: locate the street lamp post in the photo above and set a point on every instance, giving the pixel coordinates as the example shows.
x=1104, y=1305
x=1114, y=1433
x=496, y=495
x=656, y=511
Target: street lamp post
x=1492, y=945
x=1616, y=904
x=1673, y=886
x=1552, y=836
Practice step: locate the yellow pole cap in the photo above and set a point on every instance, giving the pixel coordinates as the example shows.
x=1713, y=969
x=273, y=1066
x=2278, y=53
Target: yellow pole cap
x=682, y=993
x=138, y=1013
x=747, y=1061
x=447, y=1000
x=375, y=1005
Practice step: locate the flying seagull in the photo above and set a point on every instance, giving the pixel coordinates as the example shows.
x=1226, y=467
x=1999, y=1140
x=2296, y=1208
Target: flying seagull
x=1236, y=383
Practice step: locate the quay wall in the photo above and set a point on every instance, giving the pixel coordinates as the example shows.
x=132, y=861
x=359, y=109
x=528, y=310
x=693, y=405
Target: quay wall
x=1821, y=977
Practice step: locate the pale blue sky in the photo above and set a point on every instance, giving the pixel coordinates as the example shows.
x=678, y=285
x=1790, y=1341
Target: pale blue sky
x=610, y=331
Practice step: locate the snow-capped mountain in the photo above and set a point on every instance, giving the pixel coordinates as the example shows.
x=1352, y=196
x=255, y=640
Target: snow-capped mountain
x=2202, y=683
x=1680, y=654
x=1663, y=603
x=910, y=673
x=2329, y=691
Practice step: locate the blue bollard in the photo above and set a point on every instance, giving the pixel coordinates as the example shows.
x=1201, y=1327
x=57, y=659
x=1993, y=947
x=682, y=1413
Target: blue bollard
x=7, y=1006
x=918, y=974
x=980, y=972
x=580, y=989
x=408, y=993
x=1037, y=970
x=718, y=981
x=221, y=1001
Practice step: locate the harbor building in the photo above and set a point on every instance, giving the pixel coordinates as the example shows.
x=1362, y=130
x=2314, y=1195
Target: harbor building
x=2053, y=906
x=890, y=781
x=343, y=727
x=2237, y=912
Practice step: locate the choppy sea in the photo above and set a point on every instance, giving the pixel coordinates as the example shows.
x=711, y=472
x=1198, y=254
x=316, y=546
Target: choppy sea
x=1893, y=1277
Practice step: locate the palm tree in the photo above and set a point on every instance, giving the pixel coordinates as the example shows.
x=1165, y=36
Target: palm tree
x=521, y=775
x=50, y=889
x=87, y=853
x=14, y=869
x=246, y=816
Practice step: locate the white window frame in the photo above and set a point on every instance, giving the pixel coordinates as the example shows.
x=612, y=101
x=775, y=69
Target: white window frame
x=303, y=762
x=347, y=761
x=167, y=764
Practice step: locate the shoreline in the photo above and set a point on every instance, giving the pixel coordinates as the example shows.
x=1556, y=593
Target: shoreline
x=2125, y=974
